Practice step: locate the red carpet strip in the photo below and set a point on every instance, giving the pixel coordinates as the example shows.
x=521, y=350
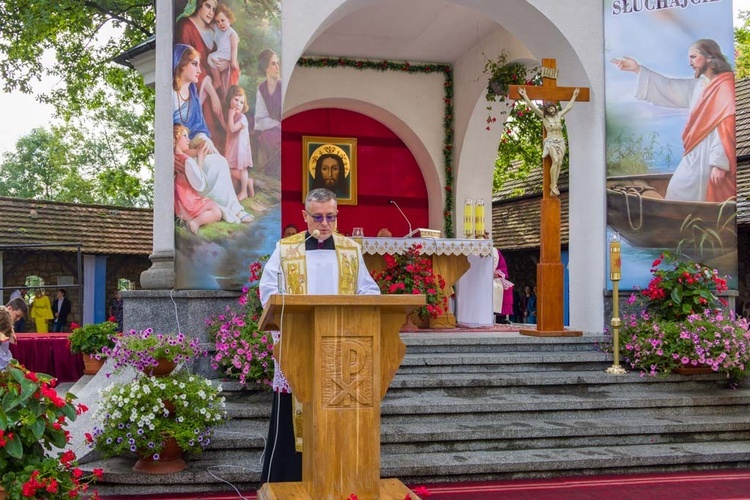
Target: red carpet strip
x=711, y=485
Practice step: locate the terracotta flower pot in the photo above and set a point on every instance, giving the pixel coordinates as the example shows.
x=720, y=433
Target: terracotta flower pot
x=170, y=460
x=91, y=365
x=163, y=369
x=692, y=370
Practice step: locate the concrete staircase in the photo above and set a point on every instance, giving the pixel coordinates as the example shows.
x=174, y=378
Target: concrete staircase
x=480, y=406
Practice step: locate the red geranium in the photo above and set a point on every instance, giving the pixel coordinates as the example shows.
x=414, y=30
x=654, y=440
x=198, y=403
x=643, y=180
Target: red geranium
x=411, y=273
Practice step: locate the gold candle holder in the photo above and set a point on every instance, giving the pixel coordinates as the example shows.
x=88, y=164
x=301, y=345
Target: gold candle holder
x=615, y=268
x=468, y=218
x=479, y=219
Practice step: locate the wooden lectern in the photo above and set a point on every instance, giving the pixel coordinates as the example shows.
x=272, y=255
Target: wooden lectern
x=339, y=354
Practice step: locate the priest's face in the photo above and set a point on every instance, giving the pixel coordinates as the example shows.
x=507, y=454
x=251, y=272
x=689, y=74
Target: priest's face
x=321, y=216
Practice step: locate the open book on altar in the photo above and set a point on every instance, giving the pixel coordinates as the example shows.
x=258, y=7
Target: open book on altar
x=422, y=232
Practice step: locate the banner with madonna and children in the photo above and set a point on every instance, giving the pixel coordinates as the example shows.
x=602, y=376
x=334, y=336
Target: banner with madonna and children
x=227, y=139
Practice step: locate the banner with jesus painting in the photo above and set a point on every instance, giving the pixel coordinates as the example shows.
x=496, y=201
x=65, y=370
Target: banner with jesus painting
x=227, y=139
x=671, y=147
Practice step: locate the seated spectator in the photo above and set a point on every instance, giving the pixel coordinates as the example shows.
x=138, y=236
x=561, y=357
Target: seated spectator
x=385, y=233
x=6, y=336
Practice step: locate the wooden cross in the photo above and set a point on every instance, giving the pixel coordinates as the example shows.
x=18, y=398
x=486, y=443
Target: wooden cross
x=549, y=271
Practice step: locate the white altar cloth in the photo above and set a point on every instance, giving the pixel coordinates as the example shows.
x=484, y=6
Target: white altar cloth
x=473, y=290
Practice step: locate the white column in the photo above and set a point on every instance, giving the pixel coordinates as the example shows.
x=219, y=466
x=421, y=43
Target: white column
x=161, y=274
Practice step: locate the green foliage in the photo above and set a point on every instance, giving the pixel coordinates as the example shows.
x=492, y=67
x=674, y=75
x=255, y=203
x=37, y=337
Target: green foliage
x=145, y=349
x=714, y=339
x=135, y=418
x=520, y=148
x=33, y=421
x=242, y=350
x=90, y=339
x=681, y=287
x=104, y=144
x=679, y=323
x=742, y=46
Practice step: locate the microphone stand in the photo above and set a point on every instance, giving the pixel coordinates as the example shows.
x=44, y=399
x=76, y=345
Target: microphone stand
x=408, y=235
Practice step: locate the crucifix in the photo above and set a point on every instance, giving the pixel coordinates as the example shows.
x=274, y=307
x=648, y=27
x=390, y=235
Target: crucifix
x=550, y=271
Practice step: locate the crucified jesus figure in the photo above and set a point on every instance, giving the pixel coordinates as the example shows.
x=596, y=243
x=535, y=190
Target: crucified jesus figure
x=554, y=142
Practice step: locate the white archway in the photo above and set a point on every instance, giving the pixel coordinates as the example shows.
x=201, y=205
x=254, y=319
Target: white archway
x=528, y=29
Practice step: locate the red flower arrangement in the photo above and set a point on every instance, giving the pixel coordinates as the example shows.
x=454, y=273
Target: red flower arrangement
x=683, y=288
x=33, y=418
x=411, y=273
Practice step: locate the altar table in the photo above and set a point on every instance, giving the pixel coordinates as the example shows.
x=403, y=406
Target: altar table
x=452, y=258
x=48, y=353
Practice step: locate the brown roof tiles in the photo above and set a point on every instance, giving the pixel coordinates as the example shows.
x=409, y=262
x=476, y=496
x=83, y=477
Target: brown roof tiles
x=99, y=229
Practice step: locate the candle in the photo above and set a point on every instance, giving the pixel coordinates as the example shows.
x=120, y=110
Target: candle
x=468, y=218
x=615, y=261
x=479, y=219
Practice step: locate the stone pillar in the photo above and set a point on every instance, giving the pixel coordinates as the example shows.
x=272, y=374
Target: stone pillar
x=160, y=276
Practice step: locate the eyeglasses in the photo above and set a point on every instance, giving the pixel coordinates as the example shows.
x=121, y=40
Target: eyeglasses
x=319, y=218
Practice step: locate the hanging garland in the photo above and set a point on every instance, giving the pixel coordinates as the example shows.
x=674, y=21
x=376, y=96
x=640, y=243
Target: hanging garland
x=447, y=71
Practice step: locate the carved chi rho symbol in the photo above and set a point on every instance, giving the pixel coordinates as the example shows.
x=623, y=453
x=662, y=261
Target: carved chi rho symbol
x=349, y=373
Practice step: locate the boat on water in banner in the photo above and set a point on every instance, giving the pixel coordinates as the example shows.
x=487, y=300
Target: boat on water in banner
x=636, y=208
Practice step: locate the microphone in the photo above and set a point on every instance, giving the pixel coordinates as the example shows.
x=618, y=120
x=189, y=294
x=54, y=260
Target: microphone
x=282, y=276
x=392, y=202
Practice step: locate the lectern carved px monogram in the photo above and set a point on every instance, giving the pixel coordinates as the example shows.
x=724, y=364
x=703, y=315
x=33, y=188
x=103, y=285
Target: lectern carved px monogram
x=339, y=353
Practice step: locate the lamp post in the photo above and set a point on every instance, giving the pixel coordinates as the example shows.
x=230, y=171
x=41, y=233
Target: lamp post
x=615, y=265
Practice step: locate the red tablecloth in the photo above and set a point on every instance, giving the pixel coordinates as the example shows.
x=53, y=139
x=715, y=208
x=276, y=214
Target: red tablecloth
x=48, y=353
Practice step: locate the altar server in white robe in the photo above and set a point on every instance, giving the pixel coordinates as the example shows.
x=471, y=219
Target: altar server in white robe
x=316, y=262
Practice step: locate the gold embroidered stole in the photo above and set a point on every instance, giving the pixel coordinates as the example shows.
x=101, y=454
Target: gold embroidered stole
x=294, y=268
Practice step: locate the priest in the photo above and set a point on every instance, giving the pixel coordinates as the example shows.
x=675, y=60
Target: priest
x=316, y=262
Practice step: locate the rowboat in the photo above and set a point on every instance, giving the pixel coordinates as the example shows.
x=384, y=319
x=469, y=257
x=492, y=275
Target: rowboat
x=636, y=208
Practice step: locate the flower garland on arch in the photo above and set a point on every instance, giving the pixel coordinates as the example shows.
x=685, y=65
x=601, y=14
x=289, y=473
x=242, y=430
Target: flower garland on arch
x=447, y=71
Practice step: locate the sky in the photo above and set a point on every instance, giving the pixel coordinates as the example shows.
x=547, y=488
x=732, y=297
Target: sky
x=27, y=113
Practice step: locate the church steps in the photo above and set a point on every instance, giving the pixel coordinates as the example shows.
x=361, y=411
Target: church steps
x=496, y=435
x=529, y=406
x=436, y=363
x=550, y=382
x=508, y=407
x=508, y=464
x=498, y=342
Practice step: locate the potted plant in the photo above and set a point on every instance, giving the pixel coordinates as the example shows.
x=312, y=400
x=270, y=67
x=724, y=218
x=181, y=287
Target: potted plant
x=90, y=340
x=153, y=353
x=33, y=421
x=682, y=326
x=411, y=273
x=242, y=351
x=143, y=415
x=501, y=75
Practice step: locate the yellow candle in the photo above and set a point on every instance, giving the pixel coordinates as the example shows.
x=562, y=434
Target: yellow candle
x=615, y=261
x=468, y=218
x=479, y=219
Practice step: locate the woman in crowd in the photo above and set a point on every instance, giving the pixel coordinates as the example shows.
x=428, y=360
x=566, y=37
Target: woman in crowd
x=41, y=311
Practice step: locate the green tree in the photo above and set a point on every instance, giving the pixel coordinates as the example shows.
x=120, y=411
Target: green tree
x=65, y=164
x=37, y=169
x=742, y=46
x=107, y=112
x=104, y=142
